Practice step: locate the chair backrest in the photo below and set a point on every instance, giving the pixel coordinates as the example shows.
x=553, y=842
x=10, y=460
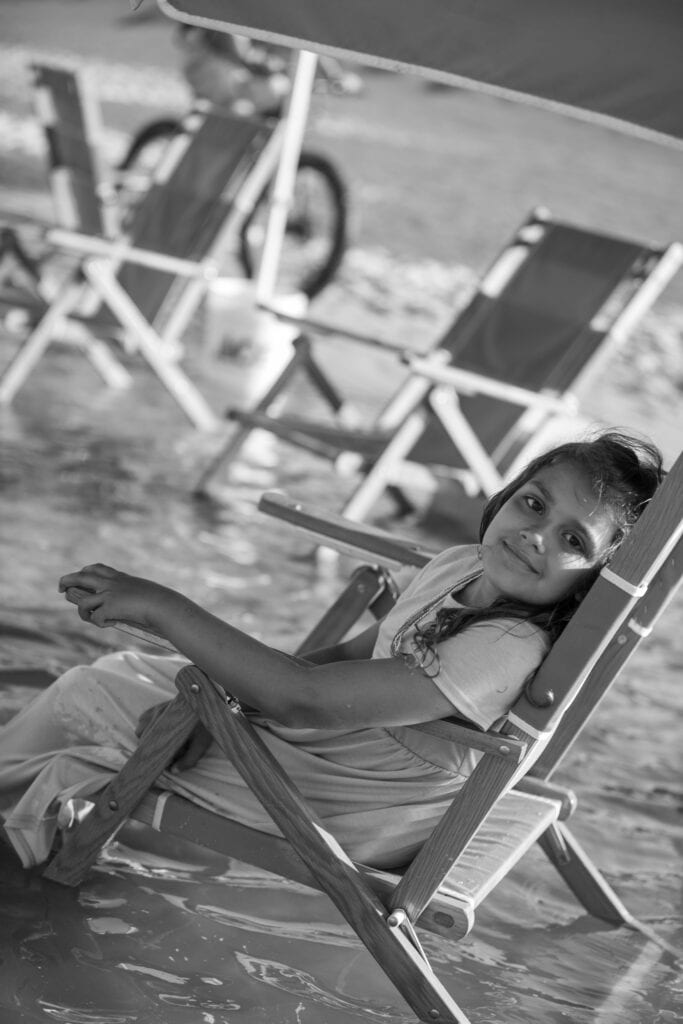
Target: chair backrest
x=541, y=314
x=83, y=196
x=190, y=197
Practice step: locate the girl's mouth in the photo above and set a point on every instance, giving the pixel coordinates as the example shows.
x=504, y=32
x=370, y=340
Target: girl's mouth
x=519, y=557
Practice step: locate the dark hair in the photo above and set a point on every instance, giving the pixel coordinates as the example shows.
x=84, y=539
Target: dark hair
x=624, y=473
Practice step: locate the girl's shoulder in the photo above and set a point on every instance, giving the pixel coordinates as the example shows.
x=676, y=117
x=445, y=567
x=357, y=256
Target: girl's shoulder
x=505, y=626
x=455, y=565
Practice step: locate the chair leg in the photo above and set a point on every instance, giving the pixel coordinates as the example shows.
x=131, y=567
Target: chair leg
x=82, y=844
x=112, y=372
x=584, y=879
x=590, y=887
x=383, y=471
x=447, y=408
x=320, y=380
x=36, y=343
x=300, y=360
x=151, y=346
x=13, y=255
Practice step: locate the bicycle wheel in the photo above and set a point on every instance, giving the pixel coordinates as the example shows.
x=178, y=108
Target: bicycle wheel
x=315, y=237
x=142, y=156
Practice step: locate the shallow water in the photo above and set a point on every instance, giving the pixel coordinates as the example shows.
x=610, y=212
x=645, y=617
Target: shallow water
x=177, y=936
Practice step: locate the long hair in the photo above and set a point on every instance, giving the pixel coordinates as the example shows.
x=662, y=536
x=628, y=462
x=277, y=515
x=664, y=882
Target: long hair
x=624, y=473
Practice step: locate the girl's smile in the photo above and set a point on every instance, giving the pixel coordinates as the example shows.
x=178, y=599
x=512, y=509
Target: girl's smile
x=548, y=538
x=517, y=558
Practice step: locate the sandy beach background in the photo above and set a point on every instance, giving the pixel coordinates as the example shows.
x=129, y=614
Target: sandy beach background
x=438, y=180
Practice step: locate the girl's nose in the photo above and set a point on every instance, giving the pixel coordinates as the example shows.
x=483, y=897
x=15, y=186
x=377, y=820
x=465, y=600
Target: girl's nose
x=533, y=536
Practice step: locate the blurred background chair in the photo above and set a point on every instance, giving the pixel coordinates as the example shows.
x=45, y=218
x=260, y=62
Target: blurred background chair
x=139, y=281
x=546, y=317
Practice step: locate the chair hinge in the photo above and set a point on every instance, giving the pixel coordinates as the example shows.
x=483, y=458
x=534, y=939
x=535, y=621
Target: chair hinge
x=398, y=918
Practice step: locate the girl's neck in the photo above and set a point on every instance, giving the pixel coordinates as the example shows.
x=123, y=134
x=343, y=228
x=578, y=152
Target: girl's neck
x=474, y=594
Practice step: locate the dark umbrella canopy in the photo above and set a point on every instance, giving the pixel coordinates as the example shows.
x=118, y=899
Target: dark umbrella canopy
x=618, y=59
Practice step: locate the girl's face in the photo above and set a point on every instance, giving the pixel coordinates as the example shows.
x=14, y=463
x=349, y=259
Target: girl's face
x=546, y=539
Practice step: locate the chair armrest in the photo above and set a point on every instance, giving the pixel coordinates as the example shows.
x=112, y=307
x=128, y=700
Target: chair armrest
x=326, y=330
x=470, y=383
x=119, y=251
x=494, y=743
x=346, y=536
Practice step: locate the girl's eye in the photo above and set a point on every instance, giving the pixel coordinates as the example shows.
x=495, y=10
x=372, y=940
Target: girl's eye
x=574, y=542
x=534, y=503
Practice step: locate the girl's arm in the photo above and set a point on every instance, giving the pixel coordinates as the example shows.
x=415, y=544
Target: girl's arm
x=346, y=695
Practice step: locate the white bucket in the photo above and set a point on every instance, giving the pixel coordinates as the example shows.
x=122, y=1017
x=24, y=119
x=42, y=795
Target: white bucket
x=233, y=322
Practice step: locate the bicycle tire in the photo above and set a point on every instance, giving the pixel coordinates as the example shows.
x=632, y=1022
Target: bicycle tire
x=165, y=128
x=316, y=272
x=312, y=278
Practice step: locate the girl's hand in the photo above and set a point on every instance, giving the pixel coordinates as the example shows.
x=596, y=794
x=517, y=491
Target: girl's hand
x=105, y=597
x=191, y=751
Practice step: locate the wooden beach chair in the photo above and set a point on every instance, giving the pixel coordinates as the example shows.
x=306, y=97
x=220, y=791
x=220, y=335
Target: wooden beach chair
x=145, y=283
x=506, y=805
x=547, y=315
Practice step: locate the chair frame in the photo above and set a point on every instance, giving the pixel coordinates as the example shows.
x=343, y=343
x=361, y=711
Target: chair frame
x=433, y=381
x=384, y=908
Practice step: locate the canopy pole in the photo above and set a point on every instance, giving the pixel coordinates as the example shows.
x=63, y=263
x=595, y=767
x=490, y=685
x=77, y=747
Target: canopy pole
x=283, y=186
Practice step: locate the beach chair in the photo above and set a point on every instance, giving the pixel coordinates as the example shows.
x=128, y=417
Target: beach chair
x=547, y=315
x=506, y=806
x=144, y=284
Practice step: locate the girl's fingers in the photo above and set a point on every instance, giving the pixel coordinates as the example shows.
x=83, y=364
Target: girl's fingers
x=76, y=594
x=89, y=577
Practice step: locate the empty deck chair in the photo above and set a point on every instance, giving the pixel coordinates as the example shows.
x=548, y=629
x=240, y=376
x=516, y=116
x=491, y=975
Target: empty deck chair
x=506, y=805
x=550, y=310
x=146, y=285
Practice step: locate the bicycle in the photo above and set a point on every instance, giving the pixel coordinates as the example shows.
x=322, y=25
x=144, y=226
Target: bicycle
x=315, y=237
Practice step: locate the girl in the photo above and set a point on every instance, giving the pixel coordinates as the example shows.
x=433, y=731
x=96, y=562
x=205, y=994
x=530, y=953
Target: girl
x=465, y=638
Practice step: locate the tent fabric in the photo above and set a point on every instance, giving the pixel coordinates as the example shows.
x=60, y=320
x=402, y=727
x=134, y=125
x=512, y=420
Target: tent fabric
x=612, y=60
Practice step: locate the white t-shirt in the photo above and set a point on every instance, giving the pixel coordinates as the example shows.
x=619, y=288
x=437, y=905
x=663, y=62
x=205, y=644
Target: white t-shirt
x=481, y=670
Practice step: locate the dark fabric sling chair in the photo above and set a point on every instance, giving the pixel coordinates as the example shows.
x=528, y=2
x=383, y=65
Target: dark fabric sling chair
x=545, y=319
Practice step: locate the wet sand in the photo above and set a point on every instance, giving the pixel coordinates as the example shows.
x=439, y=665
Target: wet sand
x=177, y=937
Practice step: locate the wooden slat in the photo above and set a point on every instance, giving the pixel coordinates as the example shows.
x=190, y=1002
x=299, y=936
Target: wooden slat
x=515, y=823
